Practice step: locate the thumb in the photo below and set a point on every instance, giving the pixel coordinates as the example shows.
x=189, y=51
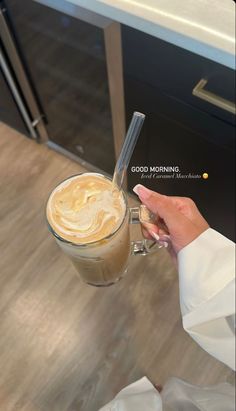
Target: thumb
x=161, y=205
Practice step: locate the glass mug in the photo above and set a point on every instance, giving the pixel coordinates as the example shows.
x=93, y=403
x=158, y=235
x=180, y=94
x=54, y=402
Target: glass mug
x=105, y=261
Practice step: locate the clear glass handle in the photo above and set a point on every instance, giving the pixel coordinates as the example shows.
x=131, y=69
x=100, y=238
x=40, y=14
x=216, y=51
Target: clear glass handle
x=144, y=246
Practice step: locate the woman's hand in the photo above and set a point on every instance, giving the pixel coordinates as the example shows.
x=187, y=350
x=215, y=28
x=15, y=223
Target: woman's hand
x=177, y=216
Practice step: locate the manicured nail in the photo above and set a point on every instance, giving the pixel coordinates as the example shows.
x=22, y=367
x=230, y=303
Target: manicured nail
x=143, y=192
x=163, y=244
x=160, y=242
x=136, y=189
x=155, y=236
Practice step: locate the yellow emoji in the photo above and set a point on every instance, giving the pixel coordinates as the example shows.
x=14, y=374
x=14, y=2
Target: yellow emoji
x=205, y=176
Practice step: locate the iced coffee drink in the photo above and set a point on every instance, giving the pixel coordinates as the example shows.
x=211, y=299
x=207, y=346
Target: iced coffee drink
x=89, y=219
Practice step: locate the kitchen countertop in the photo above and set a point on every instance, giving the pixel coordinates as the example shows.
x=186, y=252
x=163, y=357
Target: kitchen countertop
x=205, y=27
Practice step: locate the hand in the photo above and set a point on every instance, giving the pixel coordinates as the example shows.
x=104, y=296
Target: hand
x=179, y=215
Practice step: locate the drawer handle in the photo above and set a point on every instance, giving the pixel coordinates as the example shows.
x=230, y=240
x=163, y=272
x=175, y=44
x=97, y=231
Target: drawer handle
x=212, y=98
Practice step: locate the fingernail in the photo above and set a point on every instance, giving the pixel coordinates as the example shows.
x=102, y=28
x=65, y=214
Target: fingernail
x=136, y=189
x=163, y=243
x=155, y=236
x=143, y=192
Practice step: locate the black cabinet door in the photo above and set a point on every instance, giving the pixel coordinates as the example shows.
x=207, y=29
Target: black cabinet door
x=177, y=135
x=176, y=71
x=65, y=59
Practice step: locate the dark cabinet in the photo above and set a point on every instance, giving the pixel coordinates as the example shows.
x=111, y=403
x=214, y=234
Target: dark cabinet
x=176, y=71
x=180, y=134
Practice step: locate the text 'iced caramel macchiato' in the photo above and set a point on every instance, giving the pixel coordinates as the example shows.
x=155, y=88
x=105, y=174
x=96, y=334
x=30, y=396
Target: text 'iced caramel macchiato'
x=90, y=222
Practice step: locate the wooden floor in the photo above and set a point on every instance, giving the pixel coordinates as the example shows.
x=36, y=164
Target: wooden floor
x=66, y=346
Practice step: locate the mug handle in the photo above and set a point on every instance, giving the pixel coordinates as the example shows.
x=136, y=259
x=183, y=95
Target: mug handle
x=144, y=246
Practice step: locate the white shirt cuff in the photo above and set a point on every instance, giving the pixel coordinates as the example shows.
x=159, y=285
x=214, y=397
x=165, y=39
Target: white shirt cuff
x=206, y=266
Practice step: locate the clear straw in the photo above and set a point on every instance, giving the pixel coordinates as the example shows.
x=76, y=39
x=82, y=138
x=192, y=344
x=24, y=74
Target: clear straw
x=127, y=149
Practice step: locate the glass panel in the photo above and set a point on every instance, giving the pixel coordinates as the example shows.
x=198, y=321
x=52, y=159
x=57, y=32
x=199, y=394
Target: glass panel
x=65, y=58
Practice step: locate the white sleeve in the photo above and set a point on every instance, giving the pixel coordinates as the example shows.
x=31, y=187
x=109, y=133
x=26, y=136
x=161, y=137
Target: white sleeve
x=207, y=293
x=139, y=396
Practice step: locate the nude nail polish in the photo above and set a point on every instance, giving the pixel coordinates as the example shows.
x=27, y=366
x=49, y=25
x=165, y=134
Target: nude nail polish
x=155, y=236
x=143, y=192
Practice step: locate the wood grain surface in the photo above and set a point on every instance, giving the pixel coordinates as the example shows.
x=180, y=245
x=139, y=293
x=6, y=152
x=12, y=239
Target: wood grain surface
x=64, y=345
